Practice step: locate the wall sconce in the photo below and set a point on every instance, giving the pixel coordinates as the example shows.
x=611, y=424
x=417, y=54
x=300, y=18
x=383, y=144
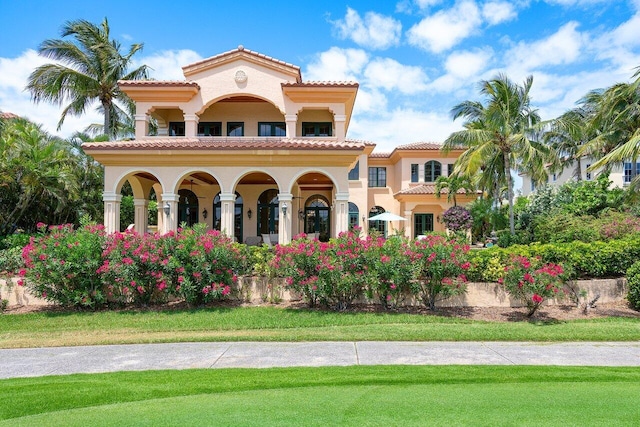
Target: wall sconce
x=301, y=214
x=205, y=213
x=364, y=219
x=249, y=213
x=167, y=208
x=284, y=209
x=438, y=218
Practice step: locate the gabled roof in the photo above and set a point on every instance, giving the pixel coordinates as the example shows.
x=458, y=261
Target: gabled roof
x=8, y=116
x=242, y=53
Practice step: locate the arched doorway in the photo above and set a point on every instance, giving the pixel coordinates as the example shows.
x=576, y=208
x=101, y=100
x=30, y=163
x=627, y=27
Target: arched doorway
x=317, y=217
x=187, y=208
x=381, y=226
x=238, y=219
x=268, y=212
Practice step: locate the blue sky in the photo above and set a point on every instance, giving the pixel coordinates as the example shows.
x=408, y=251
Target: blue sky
x=414, y=59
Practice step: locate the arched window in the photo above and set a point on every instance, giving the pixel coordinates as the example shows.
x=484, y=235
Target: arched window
x=381, y=226
x=354, y=215
x=268, y=212
x=187, y=208
x=317, y=217
x=432, y=170
x=238, y=221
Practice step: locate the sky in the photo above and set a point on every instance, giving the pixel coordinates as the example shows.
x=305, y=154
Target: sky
x=414, y=59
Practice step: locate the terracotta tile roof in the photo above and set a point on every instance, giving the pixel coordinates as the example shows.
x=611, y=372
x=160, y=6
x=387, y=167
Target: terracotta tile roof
x=8, y=116
x=241, y=49
x=158, y=83
x=426, y=189
x=321, y=84
x=380, y=155
x=420, y=146
x=224, y=143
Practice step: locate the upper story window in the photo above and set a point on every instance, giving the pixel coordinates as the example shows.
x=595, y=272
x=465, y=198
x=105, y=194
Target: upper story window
x=354, y=174
x=432, y=170
x=555, y=177
x=630, y=172
x=588, y=173
x=316, y=129
x=176, y=128
x=377, y=177
x=235, y=129
x=210, y=129
x=414, y=172
x=272, y=129
x=450, y=169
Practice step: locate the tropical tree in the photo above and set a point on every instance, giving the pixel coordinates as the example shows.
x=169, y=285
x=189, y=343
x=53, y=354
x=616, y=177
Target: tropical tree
x=499, y=133
x=87, y=70
x=453, y=183
x=618, y=124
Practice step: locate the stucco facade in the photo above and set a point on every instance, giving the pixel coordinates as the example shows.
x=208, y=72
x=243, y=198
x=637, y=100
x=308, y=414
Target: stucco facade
x=244, y=145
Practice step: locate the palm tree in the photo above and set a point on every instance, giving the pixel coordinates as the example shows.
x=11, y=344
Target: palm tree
x=568, y=134
x=453, y=183
x=88, y=70
x=499, y=134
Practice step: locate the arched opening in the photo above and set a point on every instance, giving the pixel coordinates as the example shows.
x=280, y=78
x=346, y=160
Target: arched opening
x=238, y=210
x=380, y=226
x=187, y=208
x=317, y=217
x=268, y=219
x=354, y=215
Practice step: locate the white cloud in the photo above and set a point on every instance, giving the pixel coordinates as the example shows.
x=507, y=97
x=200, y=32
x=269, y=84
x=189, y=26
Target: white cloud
x=402, y=126
x=337, y=64
x=462, y=68
x=389, y=74
x=424, y=4
x=167, y=64
x=618, y=45
x=446, y=28
x=579, y=3
x=562, y=47
x=370, y=100
x=496, y=12
x=375, y=31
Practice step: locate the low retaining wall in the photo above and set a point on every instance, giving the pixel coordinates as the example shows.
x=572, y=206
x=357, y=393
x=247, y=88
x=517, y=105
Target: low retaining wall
x=258, y=290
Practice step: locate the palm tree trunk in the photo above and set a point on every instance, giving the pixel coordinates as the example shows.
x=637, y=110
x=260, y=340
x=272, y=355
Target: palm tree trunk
x=107, y=118
x=578, y=172
x=507, y=167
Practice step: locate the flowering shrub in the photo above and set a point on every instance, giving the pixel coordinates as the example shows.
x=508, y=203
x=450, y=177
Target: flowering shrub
x=457, y=219
x=531, y=282
x=633, y=280
x=134, y=268
x=62, y=263
x=441, y=266
x=204, y=264
x=395, y=272
x=332, y=273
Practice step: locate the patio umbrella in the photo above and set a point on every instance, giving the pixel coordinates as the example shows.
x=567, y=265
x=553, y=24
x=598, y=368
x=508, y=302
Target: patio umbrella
x=387, y=216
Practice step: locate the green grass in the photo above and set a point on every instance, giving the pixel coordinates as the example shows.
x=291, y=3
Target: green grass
x=357, y=395
x=276, y=324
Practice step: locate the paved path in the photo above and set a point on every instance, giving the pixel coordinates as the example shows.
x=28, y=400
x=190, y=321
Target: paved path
x=67, y=360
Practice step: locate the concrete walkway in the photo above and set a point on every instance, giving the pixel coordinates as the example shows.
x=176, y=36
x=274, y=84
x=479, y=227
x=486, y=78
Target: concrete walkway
x=67, y=360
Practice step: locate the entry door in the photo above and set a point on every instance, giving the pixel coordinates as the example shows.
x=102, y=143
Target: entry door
x=422, y=224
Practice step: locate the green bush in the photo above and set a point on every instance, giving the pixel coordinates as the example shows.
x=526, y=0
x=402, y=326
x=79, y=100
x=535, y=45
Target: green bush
x=633, y=280
x=16, y=240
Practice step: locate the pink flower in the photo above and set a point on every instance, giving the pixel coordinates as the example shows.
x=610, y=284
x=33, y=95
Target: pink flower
x=536, y=298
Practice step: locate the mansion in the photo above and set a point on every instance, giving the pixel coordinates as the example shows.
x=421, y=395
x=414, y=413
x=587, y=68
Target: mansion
x=246, y=146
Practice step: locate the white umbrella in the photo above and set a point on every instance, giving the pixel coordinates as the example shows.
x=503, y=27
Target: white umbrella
x=387, y=216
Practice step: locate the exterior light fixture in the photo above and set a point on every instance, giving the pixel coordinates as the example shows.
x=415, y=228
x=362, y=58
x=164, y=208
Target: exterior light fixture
x=167, y=208
x=249, y=213
x=284, y=209
x=364, y=219
x=205, y=213
x=301, y=214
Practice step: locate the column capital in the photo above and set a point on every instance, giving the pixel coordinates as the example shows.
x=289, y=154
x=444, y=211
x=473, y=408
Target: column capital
x=340, y=117
x=285, y=197
x=190, y=117
x=290, y=117
x=342, y=197
x=169, y=197
x=227, y=197
x=111, y=197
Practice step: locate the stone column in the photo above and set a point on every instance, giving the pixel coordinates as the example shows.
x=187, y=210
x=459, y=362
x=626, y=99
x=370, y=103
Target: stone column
x=291, y=120
x=169, y=222
x=141, y=215
x=285, y=213
x=190, y=125
x=341, y=213
x=111, y=211
x=340, y=126
x=142, y=125
x=227, y=213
